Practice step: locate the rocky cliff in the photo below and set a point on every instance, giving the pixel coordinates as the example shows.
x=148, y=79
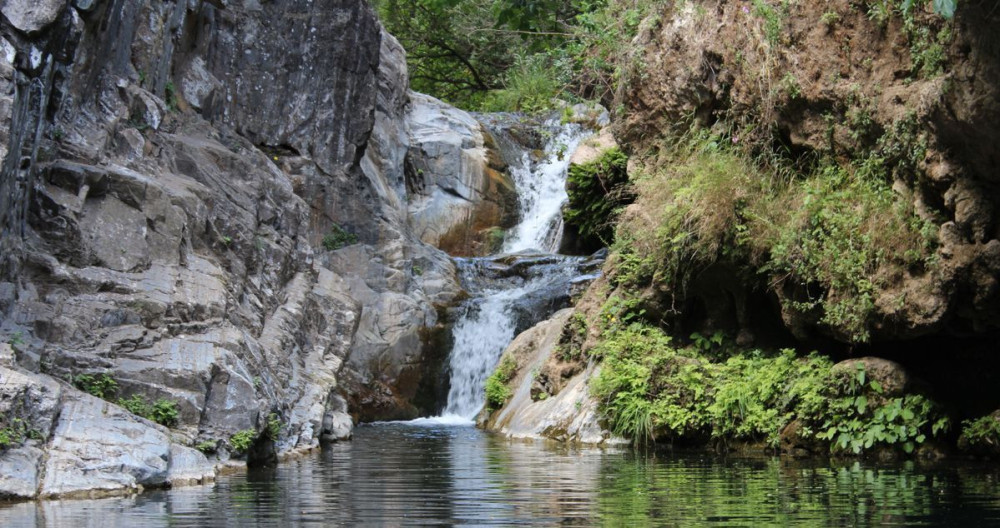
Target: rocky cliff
x=208, y=203
x=815, y=175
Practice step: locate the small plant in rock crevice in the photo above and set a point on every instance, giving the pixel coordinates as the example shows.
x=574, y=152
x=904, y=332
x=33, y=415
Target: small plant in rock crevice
x=497, y=389
x=241, y=441
x=338, y=237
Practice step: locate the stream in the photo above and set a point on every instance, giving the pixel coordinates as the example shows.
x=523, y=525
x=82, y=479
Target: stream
x=404, y=474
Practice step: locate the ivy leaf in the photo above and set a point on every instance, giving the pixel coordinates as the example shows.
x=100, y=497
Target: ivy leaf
x=945, y=8
x=908, y=447
x=907, y=414
x=861, y=402
x=876, y=386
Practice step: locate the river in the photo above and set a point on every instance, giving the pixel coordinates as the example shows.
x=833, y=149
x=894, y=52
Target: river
x=402, y=474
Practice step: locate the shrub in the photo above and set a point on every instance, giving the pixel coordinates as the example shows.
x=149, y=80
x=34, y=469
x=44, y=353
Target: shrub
x=273, y=428
x=338, y=237
x=531, y=85
x=100, y=385
x=13, y=432
x=207, y=446
x=242, y=440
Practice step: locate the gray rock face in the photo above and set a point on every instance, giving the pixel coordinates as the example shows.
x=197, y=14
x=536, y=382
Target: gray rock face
x=168, y=182
x=30, y=16
x=455, y=181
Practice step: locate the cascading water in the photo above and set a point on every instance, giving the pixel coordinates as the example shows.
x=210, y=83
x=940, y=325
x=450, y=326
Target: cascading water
x=542, y=193
x=524, y=284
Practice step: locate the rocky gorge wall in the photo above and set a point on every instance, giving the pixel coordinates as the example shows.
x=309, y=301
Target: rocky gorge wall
x=907, y=100
x=209, y=203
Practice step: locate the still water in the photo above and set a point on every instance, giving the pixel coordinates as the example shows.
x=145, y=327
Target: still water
x=396, y=475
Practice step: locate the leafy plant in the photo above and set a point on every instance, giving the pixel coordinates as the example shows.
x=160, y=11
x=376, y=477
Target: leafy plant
x=242, y=440
x=273, y=426
x=207, y=446
x=101, y=385
x=983, y=432
x=14, y=432
x=170, y=94
x=861, y=418
x=163, y=411
x=338, y=237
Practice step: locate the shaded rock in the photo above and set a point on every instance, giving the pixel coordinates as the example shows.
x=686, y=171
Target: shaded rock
x=892, y=376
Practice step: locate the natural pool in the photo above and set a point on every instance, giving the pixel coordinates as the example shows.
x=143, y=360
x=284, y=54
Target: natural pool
x=400, y=474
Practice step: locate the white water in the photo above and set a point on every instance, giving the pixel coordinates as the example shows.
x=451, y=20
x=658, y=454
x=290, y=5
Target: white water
x=542, y=193
x=488, y=325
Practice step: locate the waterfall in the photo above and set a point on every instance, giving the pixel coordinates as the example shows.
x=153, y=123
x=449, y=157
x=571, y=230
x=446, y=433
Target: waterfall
x=522, y=285
x=542, y=193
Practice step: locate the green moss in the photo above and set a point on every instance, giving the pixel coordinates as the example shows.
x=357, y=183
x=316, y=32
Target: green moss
x=598, y=191
x=497, y=389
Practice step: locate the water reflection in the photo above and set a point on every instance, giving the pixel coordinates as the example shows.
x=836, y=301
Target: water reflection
x=399, y=475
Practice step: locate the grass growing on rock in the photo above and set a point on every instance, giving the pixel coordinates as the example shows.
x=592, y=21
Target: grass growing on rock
x=497, y=389
x=827, y=240
x=598, y=191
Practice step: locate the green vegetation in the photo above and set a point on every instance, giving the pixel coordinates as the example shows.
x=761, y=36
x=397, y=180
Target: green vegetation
x=338, y=237
x=207, y=446
x=838, y=233
x=101, y=385
x=242, y=440
x=648, y=389
x=13, y=432
x=170, y=95
x=981, y=433
x=162, y=411
x=598, y=191
x=516, y=54
x=497, y=389
x=862, y=417
x=273, y=426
